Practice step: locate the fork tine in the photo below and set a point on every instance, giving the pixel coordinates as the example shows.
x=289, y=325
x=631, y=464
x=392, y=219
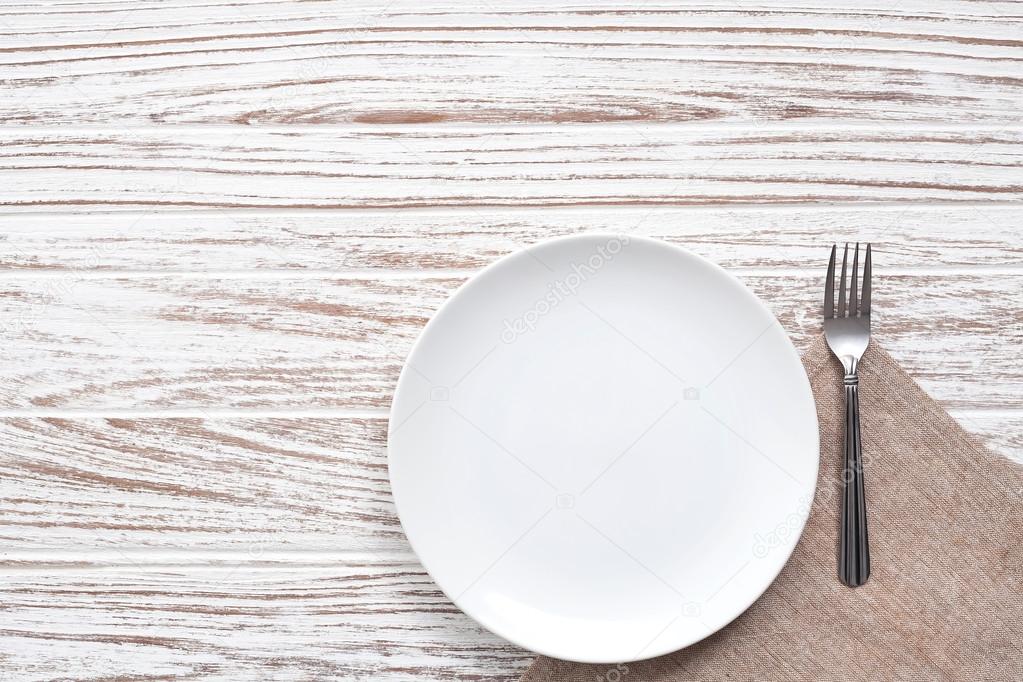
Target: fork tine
x=865, y=301
x=829, y=286
x=852, y=285
x=841, y=283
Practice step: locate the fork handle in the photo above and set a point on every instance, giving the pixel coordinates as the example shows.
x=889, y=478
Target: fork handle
x=854, y=550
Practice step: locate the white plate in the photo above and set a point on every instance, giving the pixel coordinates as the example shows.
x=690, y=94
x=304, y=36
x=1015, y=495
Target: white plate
x=603, y=448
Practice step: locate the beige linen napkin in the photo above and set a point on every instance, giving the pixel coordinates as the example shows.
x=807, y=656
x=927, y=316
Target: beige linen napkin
x=945, y=596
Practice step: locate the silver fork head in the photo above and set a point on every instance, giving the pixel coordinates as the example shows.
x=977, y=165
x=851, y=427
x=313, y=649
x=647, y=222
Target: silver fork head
x=847, y=330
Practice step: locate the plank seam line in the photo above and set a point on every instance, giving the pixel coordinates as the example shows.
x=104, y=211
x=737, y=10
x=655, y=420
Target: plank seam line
x=194, y=413
x=212, y=210
x=1007, y=269
x=888, y=127
x=316, y=413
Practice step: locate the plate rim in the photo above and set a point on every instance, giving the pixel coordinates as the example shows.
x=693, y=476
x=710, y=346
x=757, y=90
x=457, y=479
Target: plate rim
x=649, y=652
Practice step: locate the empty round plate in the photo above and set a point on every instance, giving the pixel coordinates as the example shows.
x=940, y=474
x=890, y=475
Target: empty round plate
x=603, y=448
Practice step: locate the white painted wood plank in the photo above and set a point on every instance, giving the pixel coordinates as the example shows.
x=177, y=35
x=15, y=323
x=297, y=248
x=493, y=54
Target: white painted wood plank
x=351, y=619
x=408, y=242
x=1000, y=430
x=246, y=485
x=158, y=341
x=233, y=489
x=408, y=166
x=536, y=62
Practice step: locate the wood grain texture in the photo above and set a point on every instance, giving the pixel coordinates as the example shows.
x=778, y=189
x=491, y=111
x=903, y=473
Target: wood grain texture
x=128, y=343
x=535, y=62
x=407, y=243
x=252, y=619
x=412, y=166
x=1001, y=430
x=246, y=485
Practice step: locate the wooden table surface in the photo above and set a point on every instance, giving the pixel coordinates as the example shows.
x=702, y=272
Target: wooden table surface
x=224, y=224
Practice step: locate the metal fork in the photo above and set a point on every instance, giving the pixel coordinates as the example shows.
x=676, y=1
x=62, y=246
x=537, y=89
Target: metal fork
x=847, y=331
